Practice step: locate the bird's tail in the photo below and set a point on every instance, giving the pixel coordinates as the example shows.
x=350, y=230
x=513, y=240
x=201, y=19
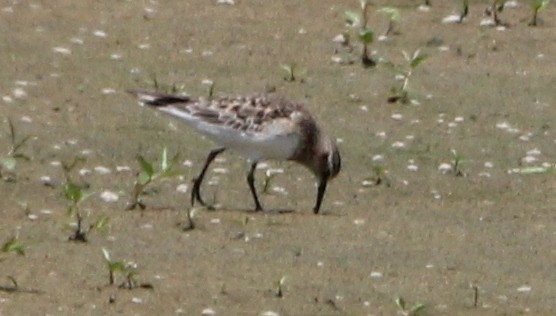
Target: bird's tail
x=156, y=99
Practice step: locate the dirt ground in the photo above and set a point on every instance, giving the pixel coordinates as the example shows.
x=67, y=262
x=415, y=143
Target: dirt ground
x=481, y=243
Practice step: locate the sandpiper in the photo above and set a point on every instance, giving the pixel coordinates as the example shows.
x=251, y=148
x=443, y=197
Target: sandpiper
x=258, y=127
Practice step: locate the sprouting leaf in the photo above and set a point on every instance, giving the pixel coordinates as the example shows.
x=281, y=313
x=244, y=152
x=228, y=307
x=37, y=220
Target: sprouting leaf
x=352, y=18
x=106, y=254
x=417, y=59
x=143, y=178
x=100, y=223
x=400, y=302
x=539, y=5
x=366, y=36
x=416, y=308
x=393, y=13
x=146, y=166
x=8, y=163
x=13, y=246
x=164, y=162
x=73, y=192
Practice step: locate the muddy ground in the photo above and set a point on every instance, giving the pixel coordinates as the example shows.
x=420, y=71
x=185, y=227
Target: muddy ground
x=479, y=241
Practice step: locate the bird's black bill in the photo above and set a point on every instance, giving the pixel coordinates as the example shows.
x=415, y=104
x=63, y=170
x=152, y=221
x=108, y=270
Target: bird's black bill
x=320, y=194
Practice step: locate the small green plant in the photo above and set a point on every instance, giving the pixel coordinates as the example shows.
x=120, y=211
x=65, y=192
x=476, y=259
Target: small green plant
x=457, y=160
x=147, y=175
x=13, y=245
x=365, y=34
x=280, y=287
x=75, y=195
x=464, y=10
x=9, y=162
x=292, y=72
x=408, y=311
x=379, y=176
x=537, y=6
x=401, y=93
x=394, y=17
x=113, y=266
x=475, y=289
x=127, y=269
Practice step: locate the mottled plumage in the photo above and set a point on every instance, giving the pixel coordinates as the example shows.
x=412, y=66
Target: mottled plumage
x=258, y=127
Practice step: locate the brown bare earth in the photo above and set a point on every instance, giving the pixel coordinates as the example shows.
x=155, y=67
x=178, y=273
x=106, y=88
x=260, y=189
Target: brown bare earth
x=477, y=242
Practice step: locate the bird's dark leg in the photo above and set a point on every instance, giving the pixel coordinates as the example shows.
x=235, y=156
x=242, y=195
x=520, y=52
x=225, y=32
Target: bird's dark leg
x=320, y=193
x=251, y=182
x=195, y=193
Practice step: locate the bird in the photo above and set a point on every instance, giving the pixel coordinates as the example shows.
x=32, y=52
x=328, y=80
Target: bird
x=259, y=127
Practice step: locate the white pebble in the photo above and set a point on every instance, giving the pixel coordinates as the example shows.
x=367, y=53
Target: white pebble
x=137, y=300
x=109, y=196
x=19, y=93
x=397, y=116
x=76, y=40
x=208, y=312
x=412, y=167
x=378, y=158
x=102, y=170
x=220, y=170
x=445, y=167
x=359, y=221
x=182, y=188
x=99, y=33
x=524, y=289
x=84, y=172
x=62, y=50
x=376, y=275
x=108, y=91
x=123, y=168
x=398, y=145
x=454, y=18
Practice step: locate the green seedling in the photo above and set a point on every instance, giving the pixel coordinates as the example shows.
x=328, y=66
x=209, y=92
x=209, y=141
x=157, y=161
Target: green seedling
x=464, y=10
x=147, y=175
x=292, y=72
x=211, y=89
x=407, y=311
x=379, y=175
x=9, y=162
x=13, y=246
x=394, y=17
x=115, y=267
x=280, y=287
x=365, y=34
x=127, y=269
x=475, y=289
x=401, y=93
x=75, y=195
x=457, y=160
x=537, y=6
